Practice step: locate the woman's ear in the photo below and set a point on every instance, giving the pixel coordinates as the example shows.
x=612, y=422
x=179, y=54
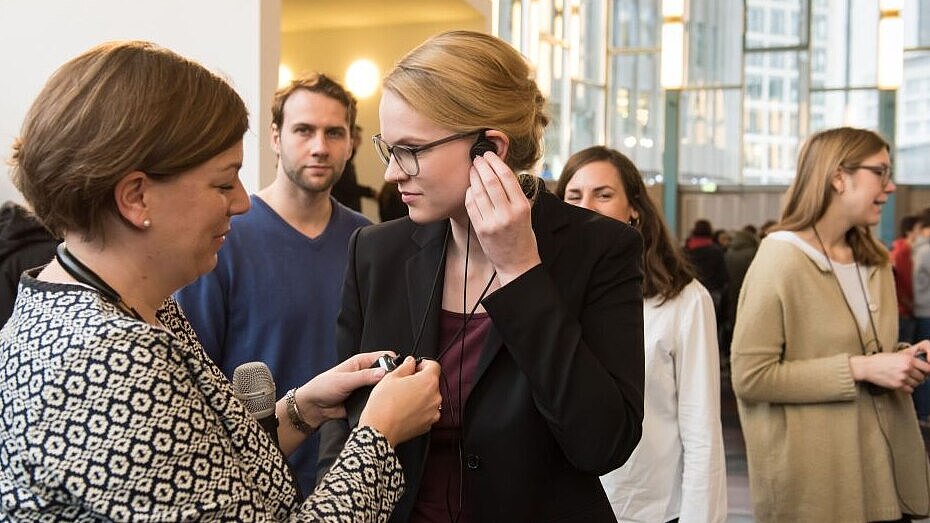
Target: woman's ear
x=501, y=142
x=129, y=194
x=838, y=182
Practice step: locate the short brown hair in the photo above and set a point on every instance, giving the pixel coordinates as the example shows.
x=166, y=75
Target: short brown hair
x=923, y=218
x=118, y=107
x=315, y=83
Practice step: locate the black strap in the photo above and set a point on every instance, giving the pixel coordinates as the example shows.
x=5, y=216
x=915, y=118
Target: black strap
x=85, y=275
x=872, y=387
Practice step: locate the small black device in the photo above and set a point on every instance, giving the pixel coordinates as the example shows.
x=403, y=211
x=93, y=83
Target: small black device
x=481, y=146
x=388, y=363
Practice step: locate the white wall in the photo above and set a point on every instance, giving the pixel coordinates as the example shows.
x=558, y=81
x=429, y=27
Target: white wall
x=239, y=39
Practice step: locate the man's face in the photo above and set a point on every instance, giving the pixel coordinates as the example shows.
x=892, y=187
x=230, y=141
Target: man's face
x=313, y=143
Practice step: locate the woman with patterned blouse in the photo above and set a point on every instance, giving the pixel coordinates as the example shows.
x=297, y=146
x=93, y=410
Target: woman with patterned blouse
x=109, y=408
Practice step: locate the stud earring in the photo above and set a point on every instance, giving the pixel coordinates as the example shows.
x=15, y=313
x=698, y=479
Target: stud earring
x=146, y=223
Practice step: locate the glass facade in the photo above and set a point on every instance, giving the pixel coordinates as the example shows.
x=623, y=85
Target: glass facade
x=760, y=75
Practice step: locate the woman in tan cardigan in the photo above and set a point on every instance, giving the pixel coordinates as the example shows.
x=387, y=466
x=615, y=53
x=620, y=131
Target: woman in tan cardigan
x=823, y=391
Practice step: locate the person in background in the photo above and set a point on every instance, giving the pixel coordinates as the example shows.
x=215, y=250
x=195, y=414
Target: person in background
x=766, y=228
x=24, y=244
x=822, y=386
x=921, y=304
x=109, y=408
x=532, y=307
x=707, y=258
x=738, y=258
x=275, y=291
x=347, y=190
x=677, y=473
x=390, y=204
x=902, y=262
x=722, y=238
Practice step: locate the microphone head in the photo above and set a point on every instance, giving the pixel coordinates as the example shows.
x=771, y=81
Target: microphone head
x=254, y=386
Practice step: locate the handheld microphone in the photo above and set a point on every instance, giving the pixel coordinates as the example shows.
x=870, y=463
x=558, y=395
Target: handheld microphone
x=254, y=386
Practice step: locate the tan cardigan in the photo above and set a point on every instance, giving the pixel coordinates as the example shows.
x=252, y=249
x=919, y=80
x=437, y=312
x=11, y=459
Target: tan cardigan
x=819, y=446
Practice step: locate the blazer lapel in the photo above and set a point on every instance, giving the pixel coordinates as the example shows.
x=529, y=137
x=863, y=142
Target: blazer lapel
x=424, y=268
x=547, y=223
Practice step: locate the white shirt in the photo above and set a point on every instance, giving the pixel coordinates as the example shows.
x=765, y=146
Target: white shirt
x=677, y=470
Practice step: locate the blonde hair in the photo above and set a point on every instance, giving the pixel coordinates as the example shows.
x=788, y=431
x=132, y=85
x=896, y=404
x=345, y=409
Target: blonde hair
x=811, y=193
x=118, y=107
x=468, y=81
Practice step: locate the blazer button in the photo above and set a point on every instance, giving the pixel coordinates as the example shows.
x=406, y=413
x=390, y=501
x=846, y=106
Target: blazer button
x=472, y=461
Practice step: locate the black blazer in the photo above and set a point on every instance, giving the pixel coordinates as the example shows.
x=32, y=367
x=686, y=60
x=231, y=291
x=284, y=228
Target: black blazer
x=558, y=392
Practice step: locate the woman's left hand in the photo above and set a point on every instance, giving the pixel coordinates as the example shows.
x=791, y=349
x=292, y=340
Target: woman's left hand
x=900, y=370
x=500, y=215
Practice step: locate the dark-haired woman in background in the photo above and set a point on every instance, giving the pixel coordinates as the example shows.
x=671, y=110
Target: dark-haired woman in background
x=677, y=471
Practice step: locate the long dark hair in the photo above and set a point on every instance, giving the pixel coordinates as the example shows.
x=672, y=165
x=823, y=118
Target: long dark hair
x=667, y=271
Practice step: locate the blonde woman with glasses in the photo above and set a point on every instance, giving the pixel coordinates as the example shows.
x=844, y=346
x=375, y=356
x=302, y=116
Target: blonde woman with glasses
x=533, y=307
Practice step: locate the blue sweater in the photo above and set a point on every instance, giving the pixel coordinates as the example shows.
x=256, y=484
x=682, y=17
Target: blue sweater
x=274, y=297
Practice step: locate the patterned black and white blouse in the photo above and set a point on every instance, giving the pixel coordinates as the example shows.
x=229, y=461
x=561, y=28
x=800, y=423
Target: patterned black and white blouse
x=104, y=417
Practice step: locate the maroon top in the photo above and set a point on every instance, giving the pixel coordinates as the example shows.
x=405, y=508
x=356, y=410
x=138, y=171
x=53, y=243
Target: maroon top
x=440, y=497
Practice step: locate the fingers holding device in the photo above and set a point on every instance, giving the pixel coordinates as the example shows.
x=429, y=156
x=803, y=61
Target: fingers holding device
x=405, y=403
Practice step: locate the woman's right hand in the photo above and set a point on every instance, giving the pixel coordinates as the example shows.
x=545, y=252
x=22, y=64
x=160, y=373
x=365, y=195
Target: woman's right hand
x=405, y=403
x=900, y=370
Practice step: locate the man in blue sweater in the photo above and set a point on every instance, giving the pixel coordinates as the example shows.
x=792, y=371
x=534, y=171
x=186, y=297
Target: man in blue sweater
x=276, y=289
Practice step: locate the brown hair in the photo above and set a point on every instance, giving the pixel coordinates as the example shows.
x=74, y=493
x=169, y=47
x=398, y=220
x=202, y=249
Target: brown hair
x=907, y=224
x=702, y=228
x=315, y=83
x=923, y=217
x=811, y=193
x=118, y=107
x=469, y=81
x=666, y=270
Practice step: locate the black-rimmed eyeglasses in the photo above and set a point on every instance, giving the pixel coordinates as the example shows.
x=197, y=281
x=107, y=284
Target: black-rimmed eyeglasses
x=882, y=171
x=406, y=155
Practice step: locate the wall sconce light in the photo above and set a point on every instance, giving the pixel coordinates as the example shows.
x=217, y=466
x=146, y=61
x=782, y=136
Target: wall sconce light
x=532, y=37
x=285, y=75
x=672, y=72
x=890, y=45
x=362, y=78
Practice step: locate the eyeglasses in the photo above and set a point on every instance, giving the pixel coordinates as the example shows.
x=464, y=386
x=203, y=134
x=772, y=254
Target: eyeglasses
x=882, y=171
x=406, y=155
